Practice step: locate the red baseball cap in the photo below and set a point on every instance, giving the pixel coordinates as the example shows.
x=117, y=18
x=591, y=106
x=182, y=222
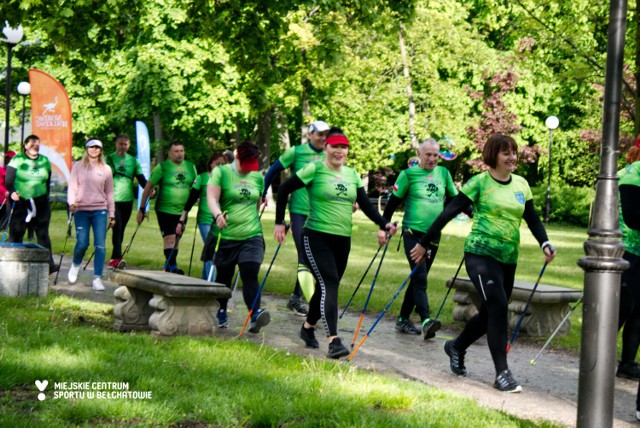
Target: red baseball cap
x=337, y=140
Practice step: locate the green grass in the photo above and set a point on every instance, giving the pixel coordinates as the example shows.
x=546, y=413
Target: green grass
x=197, y=381
x=146, y=253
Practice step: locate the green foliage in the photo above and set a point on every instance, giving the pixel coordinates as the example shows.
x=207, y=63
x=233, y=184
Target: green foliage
x=569, y=204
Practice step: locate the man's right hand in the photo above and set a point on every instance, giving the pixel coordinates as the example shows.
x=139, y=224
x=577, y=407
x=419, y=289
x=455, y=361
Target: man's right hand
x=140, y=217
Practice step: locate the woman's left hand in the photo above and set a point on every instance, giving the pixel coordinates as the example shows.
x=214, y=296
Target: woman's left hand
x=549, y=254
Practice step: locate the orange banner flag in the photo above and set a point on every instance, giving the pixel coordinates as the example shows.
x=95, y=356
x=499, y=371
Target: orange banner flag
x=51, y=122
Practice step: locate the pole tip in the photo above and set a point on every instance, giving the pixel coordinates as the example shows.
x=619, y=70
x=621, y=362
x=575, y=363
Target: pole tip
x=533, y=362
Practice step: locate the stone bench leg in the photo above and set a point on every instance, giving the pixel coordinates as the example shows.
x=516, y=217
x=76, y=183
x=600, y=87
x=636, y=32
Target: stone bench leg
x=183, y=316
x=132, y=310
x=467, y=305
x=542, y=319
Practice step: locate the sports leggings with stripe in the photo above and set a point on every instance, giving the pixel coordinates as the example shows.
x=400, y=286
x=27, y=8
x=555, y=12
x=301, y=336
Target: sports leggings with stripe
x=494, y=282
x=326, y=256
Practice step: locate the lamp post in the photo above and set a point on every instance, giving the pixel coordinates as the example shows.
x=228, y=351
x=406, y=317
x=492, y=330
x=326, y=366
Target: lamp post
x=24, y=89
x=552, y=123
x=13, y=37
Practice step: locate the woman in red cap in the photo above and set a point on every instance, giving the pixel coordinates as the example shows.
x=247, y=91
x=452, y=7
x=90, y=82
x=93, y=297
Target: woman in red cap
x=234, y=195
x=333, y=188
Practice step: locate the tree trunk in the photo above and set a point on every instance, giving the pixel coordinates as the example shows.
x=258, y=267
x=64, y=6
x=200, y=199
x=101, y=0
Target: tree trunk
x=158, y=136
x=412, y=104
x=636, y=121
x=306, y=111
x=263, y=139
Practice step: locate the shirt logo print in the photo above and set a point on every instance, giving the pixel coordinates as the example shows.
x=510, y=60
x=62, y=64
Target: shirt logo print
x=431, y=189
x=245, y=193
x=342, y=190
x=180, y=177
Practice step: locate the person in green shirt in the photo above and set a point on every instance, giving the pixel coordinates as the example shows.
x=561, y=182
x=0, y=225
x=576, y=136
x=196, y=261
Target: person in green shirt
x=295, y=158
x=204, y=219
x=234, y=195
x=333, y=188
x=423, y=189
x=27, y=181
x=629, y=310
x=124, y=168
x=500, y=201
x=174, y=178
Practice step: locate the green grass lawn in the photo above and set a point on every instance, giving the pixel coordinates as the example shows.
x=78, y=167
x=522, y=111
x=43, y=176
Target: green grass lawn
x=196, y=382
x=146, y=252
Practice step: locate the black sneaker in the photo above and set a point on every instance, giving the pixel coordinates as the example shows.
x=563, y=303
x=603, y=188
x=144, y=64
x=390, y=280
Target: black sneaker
x=506, y=383
x=223, y=319
x=429, y=328
x=628, y=370
x=309, y=337
x=259, y=319
x=337, y=349
x=53, y=268
x=456, y=358
x=296, y=305
x=406, y=326
x=177, y=271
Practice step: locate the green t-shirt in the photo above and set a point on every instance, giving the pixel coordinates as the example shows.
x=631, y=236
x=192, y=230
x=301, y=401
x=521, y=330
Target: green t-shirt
x=124, y=170
x=424, y=194
x=331, y=197
x=296, y=158
x=31, y=175
x=239, y=196
x=175, y=183
x=630, y=175
x=204, y=215
x=498, y=210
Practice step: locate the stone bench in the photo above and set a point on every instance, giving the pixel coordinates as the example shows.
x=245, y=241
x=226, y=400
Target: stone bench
x=548, y=306
x=165, y=303
x=24, y=270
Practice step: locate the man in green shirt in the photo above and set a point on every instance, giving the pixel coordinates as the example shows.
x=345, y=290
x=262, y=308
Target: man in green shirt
x=174, y=178
x=424, y=189
x=124, y=168
x=296, y=158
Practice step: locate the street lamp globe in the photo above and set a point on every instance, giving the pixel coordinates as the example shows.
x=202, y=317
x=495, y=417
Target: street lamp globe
x=24, y=88
x=552, y=122
x=13, y=35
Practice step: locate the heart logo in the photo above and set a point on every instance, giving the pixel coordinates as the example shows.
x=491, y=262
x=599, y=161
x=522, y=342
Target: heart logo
x=42, y=385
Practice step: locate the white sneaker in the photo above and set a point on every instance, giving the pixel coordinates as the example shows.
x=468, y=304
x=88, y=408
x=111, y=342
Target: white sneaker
x=73, y=273
x=97, y=284
x=638, y=415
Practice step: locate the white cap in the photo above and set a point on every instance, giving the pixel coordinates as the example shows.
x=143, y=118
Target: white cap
x=94, y=142
x=318, y=126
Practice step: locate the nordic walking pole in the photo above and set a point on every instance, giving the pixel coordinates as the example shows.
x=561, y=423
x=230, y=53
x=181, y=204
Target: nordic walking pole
x=255, y=299
x=360, y=283
x=128, y=247
x=64, y=247
x=193, y=246
x=384, y=311
x=212, y=271
x=89, y=261
x=373, y=283
x=4, y=235
x=566, y=317
x=232, y=305
x=450, y=287
x=524, y=312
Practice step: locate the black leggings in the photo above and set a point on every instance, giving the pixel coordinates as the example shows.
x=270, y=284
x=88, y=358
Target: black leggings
x=494, y=282
x=326, y=256
x=629, y=313
x=18, y=226
x=248, y=275
x=416, y=294
x=123, y=214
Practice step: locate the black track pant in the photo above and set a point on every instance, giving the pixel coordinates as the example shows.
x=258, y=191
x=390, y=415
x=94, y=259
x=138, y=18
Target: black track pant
x=494, y=282
x=416, y=294
x=18, y=226
x=629, y=315
x=248, y=275
x=123, y=214
x=326, y=256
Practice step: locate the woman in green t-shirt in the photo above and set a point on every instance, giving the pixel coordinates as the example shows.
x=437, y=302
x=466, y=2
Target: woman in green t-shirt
x=326, y=236
x=500, y=201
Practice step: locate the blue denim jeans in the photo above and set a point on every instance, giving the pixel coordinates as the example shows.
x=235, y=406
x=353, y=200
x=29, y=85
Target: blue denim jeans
x=96, y=220
x=204, y=231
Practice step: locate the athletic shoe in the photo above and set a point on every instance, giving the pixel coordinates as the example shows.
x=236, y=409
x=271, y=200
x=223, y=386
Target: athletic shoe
x=456, y=358
x=177, y=271
x=73, y=273
x=259, y=319
x=406, y=326
x=309, y=337
x=628, y=370
x=114, y=263
x=506, y=383
x=223, y=319
x=429, y=328
x=296, y=305
x=337, y=349
x=638, y=415
x=97, y=284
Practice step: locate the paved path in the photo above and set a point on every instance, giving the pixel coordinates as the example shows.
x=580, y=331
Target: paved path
x=550, y=387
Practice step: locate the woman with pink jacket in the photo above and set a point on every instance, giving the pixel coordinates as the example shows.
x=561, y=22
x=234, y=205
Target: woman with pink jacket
x=90, y=199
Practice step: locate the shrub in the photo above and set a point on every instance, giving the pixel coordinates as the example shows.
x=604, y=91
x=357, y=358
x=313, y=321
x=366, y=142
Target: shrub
x=569, y=204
